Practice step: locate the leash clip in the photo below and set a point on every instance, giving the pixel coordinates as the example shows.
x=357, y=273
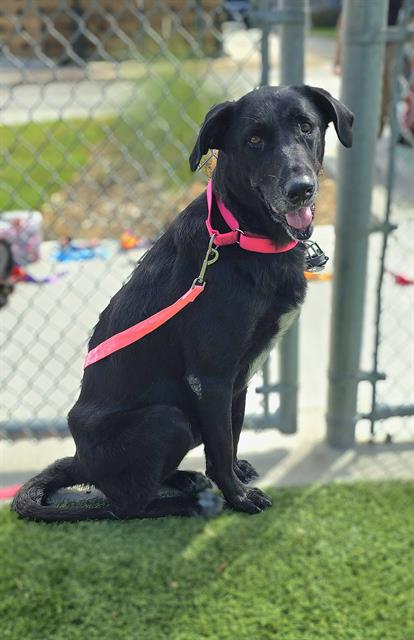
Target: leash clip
x=212, y=255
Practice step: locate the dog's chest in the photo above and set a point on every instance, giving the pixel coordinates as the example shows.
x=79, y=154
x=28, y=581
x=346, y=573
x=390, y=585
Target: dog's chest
x=283, y=324
x=275, y=302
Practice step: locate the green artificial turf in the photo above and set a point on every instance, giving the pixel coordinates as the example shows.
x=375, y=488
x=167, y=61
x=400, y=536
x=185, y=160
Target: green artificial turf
x=332, y=562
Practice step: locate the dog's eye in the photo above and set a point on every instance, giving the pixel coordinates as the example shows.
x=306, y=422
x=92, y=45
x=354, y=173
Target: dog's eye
x=305, y=127
x=255, y=141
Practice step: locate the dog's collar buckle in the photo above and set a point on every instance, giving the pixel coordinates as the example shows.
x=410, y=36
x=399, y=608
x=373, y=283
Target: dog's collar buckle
x=245, y=240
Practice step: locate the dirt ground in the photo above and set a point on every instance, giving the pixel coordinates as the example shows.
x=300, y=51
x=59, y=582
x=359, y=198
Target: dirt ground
x=102, y=203
x=326, y=202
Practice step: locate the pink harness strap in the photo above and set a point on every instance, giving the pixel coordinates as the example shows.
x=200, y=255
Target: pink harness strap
x=246, y=240
x=141, y=329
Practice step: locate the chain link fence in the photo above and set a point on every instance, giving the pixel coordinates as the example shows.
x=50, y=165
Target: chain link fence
x=100, y=103
x=99, y=107
x=372, y=345
x=391, y=413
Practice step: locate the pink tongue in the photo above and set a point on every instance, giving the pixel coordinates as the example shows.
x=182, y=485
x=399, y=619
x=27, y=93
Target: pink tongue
x=300, y=219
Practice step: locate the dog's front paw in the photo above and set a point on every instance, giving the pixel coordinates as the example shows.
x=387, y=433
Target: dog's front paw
x=251, y=501
x=245, y=471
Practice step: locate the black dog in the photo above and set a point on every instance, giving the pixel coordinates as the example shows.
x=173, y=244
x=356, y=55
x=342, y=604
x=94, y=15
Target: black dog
x=143, y=408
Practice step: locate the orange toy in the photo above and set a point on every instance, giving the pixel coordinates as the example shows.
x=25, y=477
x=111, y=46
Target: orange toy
x=128, y=240
x=318, y=276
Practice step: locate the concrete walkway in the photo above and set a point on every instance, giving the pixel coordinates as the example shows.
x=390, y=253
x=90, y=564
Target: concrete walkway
x=280, y=460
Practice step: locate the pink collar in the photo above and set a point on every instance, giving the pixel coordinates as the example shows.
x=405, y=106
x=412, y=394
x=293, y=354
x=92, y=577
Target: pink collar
x=246, y=240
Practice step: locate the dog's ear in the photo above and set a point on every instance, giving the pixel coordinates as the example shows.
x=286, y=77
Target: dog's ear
x=336, y=112
x=212, y=132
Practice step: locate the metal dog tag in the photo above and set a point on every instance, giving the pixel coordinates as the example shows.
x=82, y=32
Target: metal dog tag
x=316, y=259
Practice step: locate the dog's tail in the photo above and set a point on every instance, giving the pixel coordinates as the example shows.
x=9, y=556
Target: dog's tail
x=30, y=502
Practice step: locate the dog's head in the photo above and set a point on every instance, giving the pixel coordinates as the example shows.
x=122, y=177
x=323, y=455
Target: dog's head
x=271, y=145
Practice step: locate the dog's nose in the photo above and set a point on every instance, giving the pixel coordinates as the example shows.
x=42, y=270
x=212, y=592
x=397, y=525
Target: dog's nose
x=299, y=189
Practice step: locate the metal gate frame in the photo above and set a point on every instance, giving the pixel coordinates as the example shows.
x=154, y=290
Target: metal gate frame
x=365, y=35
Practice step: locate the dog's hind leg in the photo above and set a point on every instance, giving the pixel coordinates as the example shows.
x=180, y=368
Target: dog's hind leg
x=188, y=481
x=147, y=449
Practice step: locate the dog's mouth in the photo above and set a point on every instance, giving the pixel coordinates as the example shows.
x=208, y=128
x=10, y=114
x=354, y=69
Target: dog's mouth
x=297, y=223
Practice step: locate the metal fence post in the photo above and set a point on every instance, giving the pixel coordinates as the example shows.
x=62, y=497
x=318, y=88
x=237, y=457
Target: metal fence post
x=292, y=56
x=292, y=43
x=363, y=49
x=266, y=28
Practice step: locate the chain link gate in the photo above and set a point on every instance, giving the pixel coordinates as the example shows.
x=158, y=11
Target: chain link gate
x=100, y=104
x=373, y=320
x=392, y=382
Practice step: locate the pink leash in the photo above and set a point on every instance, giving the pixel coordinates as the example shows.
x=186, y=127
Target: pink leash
x=247, y=241
x=141, y=329
x=6, y=493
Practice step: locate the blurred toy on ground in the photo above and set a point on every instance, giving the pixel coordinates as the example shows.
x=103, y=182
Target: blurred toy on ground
x=69, y=251
x=23, y=231
x=128, y=240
